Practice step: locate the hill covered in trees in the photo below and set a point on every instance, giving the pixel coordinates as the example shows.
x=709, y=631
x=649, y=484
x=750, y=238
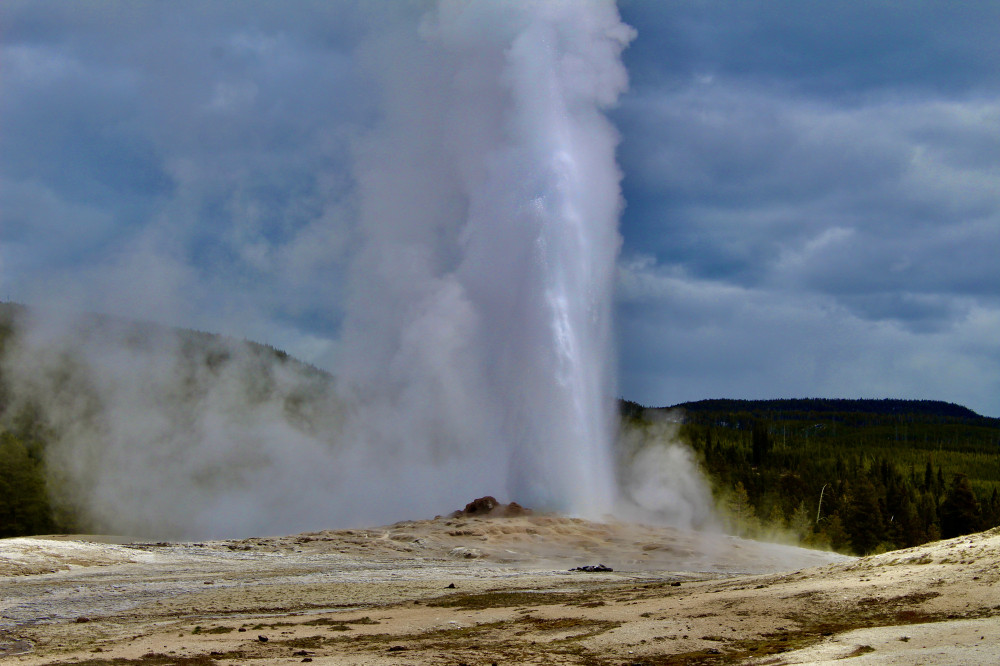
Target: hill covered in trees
x=855, y=475
x=78, y=391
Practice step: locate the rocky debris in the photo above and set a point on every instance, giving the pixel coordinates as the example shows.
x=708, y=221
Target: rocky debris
x=593, y=568
x=14, y=648
x=479, y=507
x=489, y=506
x=515, y=509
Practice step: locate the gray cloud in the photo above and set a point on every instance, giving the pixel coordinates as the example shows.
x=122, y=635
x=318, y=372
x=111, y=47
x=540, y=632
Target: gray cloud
x=717, y=338
x=844, y=49
x=205, y=140
x=882, y=211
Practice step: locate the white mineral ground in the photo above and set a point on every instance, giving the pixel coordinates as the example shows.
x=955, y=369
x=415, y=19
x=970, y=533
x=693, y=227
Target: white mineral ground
x=385, y=596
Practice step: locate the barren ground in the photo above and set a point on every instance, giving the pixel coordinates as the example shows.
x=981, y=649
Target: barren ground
x=475, y=590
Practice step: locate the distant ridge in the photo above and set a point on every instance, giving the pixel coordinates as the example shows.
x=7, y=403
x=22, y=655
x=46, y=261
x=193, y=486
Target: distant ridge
x=832, y=405
x=796, y=408
x=135, y=333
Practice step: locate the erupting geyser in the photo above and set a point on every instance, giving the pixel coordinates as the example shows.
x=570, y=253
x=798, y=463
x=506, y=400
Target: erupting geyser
x=474, y=357
x=479, y=328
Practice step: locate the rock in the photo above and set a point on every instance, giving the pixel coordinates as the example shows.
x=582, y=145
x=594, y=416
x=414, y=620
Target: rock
x=489, y=506
x=593, y=568
x=481, y=506
x=514, y=509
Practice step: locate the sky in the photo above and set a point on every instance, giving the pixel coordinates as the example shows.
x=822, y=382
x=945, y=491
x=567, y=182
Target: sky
x=811, y=189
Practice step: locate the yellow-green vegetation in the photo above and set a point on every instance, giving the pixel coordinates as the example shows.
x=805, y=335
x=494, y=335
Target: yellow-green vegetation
x=502, y=598
x=212, y=630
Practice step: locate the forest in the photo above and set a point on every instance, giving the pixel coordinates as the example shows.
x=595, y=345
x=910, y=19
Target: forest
x=857, y=476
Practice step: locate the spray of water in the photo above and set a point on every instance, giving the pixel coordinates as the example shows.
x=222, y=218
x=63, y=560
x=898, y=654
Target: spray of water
x=490, y=236
x=475, y=354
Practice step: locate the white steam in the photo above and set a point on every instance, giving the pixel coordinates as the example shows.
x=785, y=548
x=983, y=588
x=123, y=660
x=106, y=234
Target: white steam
x=660, y=479
x=155, y=432
x=475, y=355
x=479, y=330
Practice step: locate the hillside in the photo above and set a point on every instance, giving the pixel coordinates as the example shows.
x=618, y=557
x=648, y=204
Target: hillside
x=836, y=407
x=81, y=389
x=856, y=475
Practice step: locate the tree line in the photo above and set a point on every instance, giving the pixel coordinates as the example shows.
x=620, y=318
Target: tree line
x=877, y=478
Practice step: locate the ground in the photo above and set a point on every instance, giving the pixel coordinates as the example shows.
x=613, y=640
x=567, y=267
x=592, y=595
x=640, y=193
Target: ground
x=485, y=590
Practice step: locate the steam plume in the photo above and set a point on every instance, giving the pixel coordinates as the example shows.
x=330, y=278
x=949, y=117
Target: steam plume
x=475, y=353
x=480, y=323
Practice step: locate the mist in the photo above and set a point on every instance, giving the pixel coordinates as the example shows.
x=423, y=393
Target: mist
x=475, y=352
x=479, y=330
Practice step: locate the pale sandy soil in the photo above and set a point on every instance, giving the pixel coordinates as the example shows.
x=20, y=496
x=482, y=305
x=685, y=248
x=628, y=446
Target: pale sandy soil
x=385, y=596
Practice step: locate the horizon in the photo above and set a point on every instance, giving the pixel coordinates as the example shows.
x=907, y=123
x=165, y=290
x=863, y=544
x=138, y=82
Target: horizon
x=621, y=398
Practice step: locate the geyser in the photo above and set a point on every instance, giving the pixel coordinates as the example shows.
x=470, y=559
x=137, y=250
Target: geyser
x=480, y=323
x=475, y=354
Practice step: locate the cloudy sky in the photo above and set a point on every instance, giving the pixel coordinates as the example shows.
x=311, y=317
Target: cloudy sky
x=812, y=188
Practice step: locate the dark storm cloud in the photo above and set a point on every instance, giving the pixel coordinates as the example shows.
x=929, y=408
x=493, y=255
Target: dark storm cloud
x=210, y=139
x=845, y=49
x=816, y=168
x=840, y=200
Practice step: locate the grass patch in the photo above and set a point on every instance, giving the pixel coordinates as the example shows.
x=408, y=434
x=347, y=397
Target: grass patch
x=592, y=604
x=335, y=624
x=305, y=642
x=328, y=621
x=151, y=659
x=890, y=613
x=588, y=627
x=502, y=599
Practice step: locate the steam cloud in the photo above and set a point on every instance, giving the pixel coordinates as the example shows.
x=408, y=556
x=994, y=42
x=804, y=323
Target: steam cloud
x=475, y=356
x=482, y=292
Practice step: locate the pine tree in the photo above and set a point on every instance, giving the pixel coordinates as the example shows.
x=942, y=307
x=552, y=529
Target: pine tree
x=960, y=512
x=991, y=511
x=24, y=504
x=834, y=533
x=801, y=522
x=864, y=522
x=742, y=516
x=761, y=443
